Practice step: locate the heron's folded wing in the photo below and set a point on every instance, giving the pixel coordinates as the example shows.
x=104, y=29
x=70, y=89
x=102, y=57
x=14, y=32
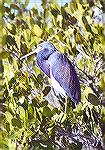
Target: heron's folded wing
x=44, y=67
x=65, y=74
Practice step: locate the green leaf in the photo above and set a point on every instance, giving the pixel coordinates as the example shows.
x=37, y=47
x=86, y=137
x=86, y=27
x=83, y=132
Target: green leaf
x=46, y=90
x=73, y=6
x=30, y=109
x=1, y=66
x=4, y=55
x=10, y=40
x=95, y=116
x=21, y=112
x=35, y=11
x=7, y=127
x=27, y=35
x=38, y=115
x=40, y=79
x=3, y=145
x=13, y=29
x=73, y=146
x=102, y=82
x=43, y=103
x=37, y=30
x=14, y=6
x=26, y=3
x=59, y=20
x=85, y=117
x=8, y=116
x=78, y=38
x=93, y=99
x=55, y=12
x=44, y=2
x=23, y=48
x=47, y=112
x=16, y=122
x=51, y=31
x=35, y=102
x=87, y=26
x=87, y=133
x=36, y=69
x=4, y=39
x=84, y=20
x=54, y=111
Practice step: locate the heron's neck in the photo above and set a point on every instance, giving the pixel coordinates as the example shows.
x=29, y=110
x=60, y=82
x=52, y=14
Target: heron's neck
x=52, y=58
x=43, y=62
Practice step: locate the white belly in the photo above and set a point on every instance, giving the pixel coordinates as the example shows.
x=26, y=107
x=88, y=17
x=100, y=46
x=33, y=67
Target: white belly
x=58, y=89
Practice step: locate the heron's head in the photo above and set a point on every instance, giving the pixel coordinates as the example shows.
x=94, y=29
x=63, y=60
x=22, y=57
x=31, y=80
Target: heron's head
x=46, y=47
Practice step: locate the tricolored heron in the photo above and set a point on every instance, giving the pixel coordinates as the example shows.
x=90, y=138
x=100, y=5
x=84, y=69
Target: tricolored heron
x=59, y=69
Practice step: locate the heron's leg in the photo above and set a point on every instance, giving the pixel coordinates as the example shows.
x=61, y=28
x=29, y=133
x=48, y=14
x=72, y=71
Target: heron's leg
x=65, y=104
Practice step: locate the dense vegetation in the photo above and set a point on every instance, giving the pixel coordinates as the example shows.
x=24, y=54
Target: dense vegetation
x=27, y=119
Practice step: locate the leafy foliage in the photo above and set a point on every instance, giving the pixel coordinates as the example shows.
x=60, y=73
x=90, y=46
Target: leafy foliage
x=27, y=118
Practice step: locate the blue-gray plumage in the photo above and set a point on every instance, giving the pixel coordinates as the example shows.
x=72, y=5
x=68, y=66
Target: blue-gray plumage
x=59, y=69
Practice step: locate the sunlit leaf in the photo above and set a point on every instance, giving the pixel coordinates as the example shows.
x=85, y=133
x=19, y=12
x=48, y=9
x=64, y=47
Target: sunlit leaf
x=21, y=112
x=59, y=19
x=30, y=108
x=8, y=116
x=27, y=35
x=37, y=30
x=73, y=6
x=13, y=29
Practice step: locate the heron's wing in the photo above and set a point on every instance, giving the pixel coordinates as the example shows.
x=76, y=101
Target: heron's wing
x=45, y=67
x=63, y=72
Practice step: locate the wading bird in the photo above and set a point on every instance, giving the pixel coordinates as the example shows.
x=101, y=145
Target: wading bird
x=59, y=69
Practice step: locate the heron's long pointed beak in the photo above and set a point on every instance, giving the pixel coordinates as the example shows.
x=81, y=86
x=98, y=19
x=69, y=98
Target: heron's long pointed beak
x=31, y=53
